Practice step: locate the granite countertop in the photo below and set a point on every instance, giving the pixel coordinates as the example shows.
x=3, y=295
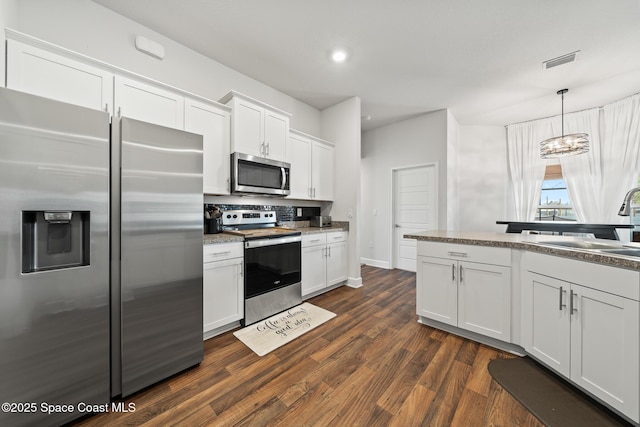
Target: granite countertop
x=533, y=243
x=304, y=228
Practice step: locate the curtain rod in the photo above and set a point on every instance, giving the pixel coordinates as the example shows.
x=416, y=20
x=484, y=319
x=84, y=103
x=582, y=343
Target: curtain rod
x=573, y=112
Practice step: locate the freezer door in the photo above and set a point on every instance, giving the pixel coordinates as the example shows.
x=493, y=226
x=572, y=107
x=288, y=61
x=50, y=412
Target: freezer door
x=54, y=258
x=161, y=253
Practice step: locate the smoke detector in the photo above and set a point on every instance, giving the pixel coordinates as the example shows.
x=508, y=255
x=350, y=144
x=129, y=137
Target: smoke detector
x=560, y=60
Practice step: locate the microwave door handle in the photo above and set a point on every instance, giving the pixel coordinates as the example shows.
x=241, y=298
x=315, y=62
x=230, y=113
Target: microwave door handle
x=284, y=178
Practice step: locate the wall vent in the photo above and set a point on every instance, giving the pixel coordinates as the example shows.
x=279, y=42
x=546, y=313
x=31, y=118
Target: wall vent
x=560, y=60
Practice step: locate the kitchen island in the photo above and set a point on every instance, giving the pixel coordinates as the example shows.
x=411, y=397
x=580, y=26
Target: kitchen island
x=572, y=304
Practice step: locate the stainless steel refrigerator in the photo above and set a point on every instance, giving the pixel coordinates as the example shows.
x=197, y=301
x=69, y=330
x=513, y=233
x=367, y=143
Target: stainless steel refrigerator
x=100, y=257
x=156, y=248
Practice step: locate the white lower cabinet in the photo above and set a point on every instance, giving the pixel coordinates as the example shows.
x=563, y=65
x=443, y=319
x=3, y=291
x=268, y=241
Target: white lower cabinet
x=324, y=261
x=223, y=286
x=474, y=294
x=590, y=336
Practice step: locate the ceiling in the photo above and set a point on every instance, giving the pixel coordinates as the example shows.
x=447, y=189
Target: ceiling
x=480, y=59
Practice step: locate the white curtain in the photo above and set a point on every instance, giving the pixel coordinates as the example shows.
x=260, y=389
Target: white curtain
x=583, y=173
x=525, y=165
x=620, y=154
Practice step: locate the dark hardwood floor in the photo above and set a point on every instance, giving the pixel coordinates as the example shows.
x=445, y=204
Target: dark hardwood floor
x=371, y=365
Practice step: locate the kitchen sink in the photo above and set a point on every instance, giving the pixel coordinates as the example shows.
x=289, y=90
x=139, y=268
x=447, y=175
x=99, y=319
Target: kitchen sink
x=623, y=251
x=581, y=244
x=602, y=248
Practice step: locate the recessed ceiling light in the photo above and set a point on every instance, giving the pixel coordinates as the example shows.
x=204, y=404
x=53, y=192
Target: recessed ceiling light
x=339, y=55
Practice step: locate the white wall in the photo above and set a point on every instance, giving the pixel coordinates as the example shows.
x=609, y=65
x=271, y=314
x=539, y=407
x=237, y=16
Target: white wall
x=482, y=177
x=90, y=29
x=417, y=141
x=453, y=188
x=8, y=18
x=341, y=125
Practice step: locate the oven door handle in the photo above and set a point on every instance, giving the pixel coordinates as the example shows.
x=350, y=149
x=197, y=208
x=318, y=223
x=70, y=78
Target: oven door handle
x=284, y=178
x=258, y=243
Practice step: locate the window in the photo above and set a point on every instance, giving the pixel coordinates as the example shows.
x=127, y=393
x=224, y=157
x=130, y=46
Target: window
x=554, y=198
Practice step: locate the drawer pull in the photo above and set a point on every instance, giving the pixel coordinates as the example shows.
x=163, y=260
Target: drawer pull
x=314, y=240
x=460, y=254
x=220, y=253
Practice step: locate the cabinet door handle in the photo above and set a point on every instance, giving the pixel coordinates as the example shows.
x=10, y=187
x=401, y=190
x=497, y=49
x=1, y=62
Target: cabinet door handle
x=572, y=307
x=240, y=269
x=106, y=107
x=268, y=149
x=460, y=273
x=561, y=305
x=460, y=254
x=453, y=273
x=119, y=112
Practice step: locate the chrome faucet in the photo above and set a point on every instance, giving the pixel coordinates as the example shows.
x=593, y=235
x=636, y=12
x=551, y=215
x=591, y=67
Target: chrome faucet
x=625, y=209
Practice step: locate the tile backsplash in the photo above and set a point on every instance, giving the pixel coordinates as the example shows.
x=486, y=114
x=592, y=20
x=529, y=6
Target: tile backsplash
x=284, y=213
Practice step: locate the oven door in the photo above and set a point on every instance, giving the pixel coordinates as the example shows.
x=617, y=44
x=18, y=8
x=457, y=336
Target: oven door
x=271, y=263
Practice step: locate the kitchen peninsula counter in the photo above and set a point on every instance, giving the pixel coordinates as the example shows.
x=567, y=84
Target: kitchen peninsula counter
x=533, y=243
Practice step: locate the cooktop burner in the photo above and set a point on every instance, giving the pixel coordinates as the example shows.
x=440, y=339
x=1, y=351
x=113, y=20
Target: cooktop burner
x=254, y=224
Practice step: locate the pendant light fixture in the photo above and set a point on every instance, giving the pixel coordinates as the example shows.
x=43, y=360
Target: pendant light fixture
x=565, y=145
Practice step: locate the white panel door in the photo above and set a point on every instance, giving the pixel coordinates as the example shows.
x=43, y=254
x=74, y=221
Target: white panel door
x=46, y=74
x=223, y=293
x=299, y=156
x=605, y=342
x=547, y=328
x=322, y=171
x=276, y=135
x=148, y=103
x=213, y=124
x=437, y=292
x=484, y=299
x=415, y=210
x=247, y=130
x=314, y=266
x=337, y=267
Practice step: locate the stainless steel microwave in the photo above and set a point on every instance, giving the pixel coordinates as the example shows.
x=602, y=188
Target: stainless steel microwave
x=257, y=175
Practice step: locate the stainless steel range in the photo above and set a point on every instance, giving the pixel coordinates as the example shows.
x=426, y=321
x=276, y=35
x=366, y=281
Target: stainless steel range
x=272, y=263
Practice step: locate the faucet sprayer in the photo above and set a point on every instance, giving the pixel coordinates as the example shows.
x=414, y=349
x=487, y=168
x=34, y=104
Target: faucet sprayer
x=625, y=209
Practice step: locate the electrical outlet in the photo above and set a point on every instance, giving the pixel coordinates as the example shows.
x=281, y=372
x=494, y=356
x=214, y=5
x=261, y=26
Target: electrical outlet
x=350, y=213
x=370, y=244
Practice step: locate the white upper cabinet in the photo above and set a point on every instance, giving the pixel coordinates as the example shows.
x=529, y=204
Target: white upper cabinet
x=322, y=170
x=257, y=128
x=299, y=156
x=212, y=121
x=311, y=162
x=148, y=103
x=50, y=75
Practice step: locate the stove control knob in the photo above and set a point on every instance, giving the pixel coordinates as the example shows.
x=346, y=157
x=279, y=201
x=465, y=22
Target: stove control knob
x=235, y=216
x=228, y=216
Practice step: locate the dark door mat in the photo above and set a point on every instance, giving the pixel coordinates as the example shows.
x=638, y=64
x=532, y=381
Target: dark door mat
x=551, y=399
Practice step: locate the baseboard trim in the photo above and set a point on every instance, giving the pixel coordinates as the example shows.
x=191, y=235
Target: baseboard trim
x=375, y=263
x=354, y=282
x=492, y=342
